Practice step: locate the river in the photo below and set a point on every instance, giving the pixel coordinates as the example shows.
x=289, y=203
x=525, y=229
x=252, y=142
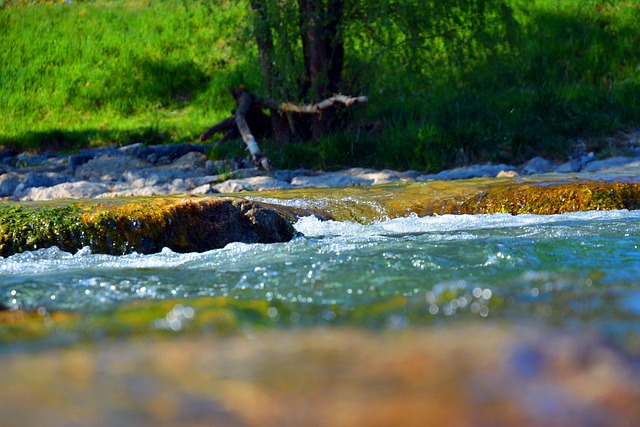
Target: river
x=577, y=270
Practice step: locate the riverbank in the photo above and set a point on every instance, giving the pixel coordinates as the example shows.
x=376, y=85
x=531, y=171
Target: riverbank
x=183, y=169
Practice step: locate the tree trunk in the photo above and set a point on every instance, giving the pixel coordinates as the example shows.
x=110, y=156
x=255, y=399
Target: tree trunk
x=270, y=76
x=323, y=53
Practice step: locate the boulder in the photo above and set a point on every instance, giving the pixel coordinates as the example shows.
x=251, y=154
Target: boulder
x=467, y=172
x=67, y=190
x=143, y=226
x=8, y=183
x=331, y=179
x=191, y=160
x=617, y=164
x=537, y=165
x=257, y=183
x=108, y=168
x=40, y=179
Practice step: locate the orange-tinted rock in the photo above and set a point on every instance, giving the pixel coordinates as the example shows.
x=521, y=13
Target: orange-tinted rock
x=459, y=376
x=139, y=225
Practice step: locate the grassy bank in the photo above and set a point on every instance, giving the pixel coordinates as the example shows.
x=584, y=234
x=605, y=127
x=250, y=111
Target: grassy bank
x=90, y=73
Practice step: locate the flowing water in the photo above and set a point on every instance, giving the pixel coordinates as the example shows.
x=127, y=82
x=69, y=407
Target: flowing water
x=578, y=270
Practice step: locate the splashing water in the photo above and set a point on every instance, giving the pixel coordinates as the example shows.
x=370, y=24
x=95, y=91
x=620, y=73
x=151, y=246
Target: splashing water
x=578, y=268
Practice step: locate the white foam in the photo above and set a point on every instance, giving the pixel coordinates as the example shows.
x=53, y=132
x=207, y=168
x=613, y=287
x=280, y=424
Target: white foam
x=312, y=227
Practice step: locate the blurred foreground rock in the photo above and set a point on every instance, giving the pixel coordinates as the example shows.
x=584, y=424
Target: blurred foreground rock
x=465, y=375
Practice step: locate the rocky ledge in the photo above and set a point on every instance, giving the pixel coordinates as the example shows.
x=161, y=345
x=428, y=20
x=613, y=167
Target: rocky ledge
x=142, y=170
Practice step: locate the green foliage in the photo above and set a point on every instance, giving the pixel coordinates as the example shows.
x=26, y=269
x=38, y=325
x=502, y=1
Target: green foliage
x=448, y=82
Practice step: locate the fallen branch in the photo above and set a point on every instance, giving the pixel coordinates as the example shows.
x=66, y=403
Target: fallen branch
x=245, y=100
x=323, y=105
x=249, y=113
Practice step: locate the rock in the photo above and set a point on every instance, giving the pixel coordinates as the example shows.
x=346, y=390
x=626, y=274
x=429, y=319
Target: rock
x=617, y=164
x=331, y=179
x=67, y=190
x=8, y=183
x=537, y=165
x=575, y=163
x=144, y=226
x=204, y=189
x=76, y=160
x=258, y=183
x=43, y=179
x=569, y=167
x=108, y=168
x=7, y=153
x=456, y=374
x=169, y=151
x=507, y=174
x=191, y=160
x=26, y=160
x=288, y=174
x=216, y=167
x=468, y=172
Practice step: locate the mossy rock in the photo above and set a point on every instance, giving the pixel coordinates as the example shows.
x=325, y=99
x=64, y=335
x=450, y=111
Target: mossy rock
x=143, y=225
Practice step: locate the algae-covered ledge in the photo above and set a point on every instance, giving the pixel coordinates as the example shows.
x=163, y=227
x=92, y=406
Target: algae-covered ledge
x=144, y=225
x=188, y=224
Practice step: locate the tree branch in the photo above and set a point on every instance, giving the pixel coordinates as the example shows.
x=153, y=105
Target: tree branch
x=322, y=105
x=244, y=104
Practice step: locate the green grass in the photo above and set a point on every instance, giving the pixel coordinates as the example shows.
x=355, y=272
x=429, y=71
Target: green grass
x=116, y=72
x=112, y=71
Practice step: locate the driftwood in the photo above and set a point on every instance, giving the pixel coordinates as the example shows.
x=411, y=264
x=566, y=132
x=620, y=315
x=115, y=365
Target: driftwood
x=249, y=115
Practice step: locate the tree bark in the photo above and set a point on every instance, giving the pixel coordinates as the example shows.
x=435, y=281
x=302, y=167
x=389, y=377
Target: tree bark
x=264, y=40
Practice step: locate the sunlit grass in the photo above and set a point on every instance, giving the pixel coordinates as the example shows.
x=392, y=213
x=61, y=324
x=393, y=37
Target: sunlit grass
x=75, y=74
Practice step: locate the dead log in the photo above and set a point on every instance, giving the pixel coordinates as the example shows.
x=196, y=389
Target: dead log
x=245, y=101
x=248, y=115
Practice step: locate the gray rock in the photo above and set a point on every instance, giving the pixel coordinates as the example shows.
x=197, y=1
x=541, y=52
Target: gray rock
x=7, y=153
x=191, y=160
x=467, y=172
x=204, y=189
x=374, y=176
x=331, y=179
x=571, y=166
x=288, y=174
x=26, y=160
x=170, y=151
x=45, y=179
x=67, y=190
x=537, y=165
x=612, y=164
x=8, y=183
x=108, y=168
x=80, y=159
x=258, y=183
x=204, y=180
x=40, y=179
x=216, y=167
